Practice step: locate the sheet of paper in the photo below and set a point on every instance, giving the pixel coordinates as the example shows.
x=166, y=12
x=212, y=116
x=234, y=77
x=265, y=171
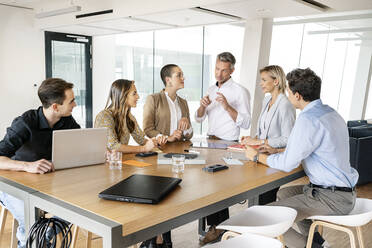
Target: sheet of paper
x=156, y=149
x=232, y=161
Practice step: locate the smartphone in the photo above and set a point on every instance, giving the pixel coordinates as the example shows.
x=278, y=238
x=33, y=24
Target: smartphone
x=146, y=154
x=214, y=168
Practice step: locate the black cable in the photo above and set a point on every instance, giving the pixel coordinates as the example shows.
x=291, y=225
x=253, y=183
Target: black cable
x=41, y=230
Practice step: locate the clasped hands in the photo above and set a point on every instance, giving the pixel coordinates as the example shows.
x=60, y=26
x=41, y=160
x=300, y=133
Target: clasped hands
x=183, y=125
x=205, y=101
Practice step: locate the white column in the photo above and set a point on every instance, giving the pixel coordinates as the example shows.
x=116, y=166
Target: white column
x=103, y=70
x=256, y=52
x=360, y=92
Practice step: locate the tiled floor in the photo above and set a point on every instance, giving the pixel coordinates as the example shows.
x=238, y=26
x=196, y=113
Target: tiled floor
x=187, y=236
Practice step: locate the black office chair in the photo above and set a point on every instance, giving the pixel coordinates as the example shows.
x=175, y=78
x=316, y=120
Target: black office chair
x=360, y=140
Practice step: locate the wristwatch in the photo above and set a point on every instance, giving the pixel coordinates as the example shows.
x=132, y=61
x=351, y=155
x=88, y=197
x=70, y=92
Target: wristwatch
x=255, y=158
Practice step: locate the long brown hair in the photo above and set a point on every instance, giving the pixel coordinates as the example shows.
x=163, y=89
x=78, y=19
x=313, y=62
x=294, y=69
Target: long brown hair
x=116, y=103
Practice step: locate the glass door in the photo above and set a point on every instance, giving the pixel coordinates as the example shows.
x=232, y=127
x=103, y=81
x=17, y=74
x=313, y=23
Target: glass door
x=69, y=56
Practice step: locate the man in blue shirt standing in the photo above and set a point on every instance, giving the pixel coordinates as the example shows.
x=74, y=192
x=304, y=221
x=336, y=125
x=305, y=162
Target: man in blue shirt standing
x=319, y=142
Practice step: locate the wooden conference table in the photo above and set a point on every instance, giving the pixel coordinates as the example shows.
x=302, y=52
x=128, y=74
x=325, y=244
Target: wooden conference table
x=72, y=194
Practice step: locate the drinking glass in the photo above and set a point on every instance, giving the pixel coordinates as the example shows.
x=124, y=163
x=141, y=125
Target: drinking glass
x=114, y=158
x=178, y=163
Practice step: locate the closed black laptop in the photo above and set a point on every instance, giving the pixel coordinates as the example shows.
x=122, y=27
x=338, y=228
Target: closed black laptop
x=141, y=189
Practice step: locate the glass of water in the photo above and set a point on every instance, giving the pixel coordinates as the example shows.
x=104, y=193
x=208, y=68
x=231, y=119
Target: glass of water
x=114, y=158
x=178, y=163
x=228, y=155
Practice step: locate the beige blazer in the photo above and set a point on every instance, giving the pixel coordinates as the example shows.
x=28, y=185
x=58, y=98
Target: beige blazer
x=156, y=115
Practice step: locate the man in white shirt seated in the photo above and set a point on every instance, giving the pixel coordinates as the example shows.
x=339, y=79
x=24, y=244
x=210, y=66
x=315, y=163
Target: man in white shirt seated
x=227, y=105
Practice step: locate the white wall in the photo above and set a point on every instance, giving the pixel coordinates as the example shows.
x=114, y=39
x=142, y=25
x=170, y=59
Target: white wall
x=21, y=63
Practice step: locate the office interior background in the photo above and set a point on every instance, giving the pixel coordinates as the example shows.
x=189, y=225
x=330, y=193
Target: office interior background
x=91, y=43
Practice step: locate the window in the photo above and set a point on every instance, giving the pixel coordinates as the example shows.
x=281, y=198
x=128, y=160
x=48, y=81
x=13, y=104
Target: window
x=140, y=56
x=334, y=60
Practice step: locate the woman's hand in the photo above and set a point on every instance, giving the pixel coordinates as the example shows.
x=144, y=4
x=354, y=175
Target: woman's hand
x=177, y=134
x=149, y=145
x=250, y=152
x=246, y=140
x=268, y=149
x=161, y=140
x=183, y=124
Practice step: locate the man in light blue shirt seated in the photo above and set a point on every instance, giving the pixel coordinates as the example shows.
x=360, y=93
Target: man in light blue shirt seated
x=319, y=142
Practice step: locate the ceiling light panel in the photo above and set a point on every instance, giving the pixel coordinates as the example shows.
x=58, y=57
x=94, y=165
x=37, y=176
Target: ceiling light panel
x=83, y=30
x=186, y=17
x=128, y=24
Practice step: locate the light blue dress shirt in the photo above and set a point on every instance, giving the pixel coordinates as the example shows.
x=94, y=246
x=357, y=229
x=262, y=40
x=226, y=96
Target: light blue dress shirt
x=320, y=142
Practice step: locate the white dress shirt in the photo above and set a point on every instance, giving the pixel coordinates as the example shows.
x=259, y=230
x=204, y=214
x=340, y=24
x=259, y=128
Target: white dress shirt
x=220, y=122
x=175, y=115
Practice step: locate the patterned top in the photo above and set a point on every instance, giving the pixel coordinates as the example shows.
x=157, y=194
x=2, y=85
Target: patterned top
x=105, y=119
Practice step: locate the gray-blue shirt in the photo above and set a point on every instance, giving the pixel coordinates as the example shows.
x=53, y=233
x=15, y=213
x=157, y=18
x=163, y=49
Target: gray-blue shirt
x=320, y=142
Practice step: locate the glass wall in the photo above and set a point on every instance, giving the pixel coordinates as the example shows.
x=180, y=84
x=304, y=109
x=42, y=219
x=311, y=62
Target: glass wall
x=334, y=60
x=140, y=56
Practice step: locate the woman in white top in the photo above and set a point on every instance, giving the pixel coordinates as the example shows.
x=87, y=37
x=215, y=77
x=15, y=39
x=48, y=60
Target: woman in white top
x=276, y=119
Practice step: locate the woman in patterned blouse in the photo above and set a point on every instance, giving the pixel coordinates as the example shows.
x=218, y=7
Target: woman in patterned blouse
x=120, y=122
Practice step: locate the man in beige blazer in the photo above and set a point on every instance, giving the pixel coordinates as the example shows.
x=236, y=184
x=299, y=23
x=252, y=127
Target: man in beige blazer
x=165, y=113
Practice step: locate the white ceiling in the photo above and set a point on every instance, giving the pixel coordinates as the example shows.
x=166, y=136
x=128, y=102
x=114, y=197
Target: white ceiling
x=141, y=15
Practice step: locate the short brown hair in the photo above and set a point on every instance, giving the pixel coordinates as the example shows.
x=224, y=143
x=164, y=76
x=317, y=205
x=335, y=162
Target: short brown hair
x=52, y=90
x=306, y=83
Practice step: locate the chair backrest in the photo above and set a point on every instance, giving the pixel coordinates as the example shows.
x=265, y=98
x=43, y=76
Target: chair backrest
x=359, y=216
x=356, y=123
x=361, y=131
x=271, y=221
x=362, y=206
x=360, y=157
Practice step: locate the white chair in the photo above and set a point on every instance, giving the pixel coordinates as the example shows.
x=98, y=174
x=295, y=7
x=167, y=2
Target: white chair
x=359, y=216
x=247, y=240
x=3, y=215
x=270, y=221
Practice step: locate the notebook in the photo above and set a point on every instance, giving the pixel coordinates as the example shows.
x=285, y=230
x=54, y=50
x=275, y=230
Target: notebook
x=141, y=189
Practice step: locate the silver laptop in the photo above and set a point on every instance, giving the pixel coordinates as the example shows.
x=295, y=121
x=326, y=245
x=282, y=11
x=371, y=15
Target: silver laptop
x=78, y=147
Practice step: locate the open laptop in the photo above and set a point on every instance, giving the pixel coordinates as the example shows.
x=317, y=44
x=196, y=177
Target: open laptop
x=141, y=189
x=78, y=147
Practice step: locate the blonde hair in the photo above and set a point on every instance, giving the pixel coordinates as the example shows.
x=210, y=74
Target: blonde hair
x=276, y=72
